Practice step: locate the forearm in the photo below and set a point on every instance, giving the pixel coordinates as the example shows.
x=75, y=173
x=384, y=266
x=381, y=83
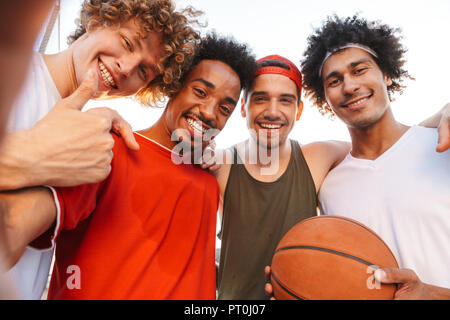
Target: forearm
x=16, y=164
x=435, y=119
x=438, y=293
x=25, y=215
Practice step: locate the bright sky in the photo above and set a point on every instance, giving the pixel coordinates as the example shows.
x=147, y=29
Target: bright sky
x=282, y=26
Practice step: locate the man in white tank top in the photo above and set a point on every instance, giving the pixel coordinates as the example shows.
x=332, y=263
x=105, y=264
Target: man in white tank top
x=393, y=180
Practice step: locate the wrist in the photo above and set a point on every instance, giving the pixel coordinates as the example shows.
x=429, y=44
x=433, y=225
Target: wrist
x=437, y=293
x=16, y=161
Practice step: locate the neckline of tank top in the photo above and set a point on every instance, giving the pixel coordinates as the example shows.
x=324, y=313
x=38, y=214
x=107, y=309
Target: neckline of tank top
x=385, y=155
x=268, y=183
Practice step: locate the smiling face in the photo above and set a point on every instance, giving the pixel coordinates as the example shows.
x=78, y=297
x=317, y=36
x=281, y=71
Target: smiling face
x=124, y=58
x=204, y=104
x=355, y=87
x=271, y=109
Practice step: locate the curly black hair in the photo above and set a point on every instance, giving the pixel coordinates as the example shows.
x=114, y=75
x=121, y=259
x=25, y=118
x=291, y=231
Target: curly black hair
x=227, y=50
x=336, y=32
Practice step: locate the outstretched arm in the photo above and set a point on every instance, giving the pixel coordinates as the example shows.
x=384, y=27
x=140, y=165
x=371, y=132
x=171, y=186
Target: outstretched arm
x=440, y=120
x=24, y=215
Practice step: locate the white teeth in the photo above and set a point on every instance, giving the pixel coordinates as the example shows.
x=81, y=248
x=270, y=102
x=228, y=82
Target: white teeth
x=106, y=75
x=357, y=103
x=195, y=124
x=270, y=126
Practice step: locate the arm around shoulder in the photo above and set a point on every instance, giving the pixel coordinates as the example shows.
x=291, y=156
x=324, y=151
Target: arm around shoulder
x=323, y=156
x=440, y=120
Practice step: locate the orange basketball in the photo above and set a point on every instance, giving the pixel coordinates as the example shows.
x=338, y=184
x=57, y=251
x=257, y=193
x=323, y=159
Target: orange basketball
x=332, y=258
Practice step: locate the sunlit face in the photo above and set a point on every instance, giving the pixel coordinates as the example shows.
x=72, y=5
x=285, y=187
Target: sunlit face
x=204, y=104
x=124, y=58
x=271, y=109
x=355, y=87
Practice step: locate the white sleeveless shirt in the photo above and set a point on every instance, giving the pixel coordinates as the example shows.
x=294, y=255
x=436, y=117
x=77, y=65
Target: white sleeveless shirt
x=404, y=196
x=38, y=96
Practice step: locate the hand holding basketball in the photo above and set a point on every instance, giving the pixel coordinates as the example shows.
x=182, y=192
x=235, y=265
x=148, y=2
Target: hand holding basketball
x=410, y=287
x=268, y=288
x=332, y=258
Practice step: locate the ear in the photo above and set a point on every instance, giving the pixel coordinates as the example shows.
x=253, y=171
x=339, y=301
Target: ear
x=91, y=26
x=299, y=111
x=243, y=113
x=387, y=80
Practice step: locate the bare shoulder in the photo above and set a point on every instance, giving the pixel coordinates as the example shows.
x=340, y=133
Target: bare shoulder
x=223, y=167
x=331, y=151
x=323, y=156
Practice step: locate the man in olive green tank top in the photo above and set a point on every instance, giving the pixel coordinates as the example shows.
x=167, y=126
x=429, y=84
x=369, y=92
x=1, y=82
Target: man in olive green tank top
x=272, y=182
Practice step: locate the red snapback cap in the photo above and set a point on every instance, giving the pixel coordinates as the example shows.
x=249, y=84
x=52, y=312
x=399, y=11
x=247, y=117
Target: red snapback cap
x=275, y=64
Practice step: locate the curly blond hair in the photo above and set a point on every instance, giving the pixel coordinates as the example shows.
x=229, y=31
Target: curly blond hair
x=179, y=37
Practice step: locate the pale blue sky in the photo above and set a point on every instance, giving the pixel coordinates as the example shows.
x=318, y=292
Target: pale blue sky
x=282, y=27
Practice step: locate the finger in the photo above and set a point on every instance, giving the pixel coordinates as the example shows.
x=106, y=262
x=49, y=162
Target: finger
x=208, y=158
x=444, y=137
x=268, y=289
x=215, y=167
x=394, y=275
x=84, y=92
x=123, y=128
x=212, y=144
x=267, y=272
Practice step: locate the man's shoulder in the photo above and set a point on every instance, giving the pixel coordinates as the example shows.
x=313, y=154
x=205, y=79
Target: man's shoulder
x=333, y=149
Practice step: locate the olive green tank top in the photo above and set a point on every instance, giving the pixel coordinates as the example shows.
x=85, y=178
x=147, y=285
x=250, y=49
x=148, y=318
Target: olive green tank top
x=256, y=215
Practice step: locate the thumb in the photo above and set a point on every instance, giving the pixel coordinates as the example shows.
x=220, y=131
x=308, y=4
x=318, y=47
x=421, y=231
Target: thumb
x=394, y=275
x=84, y=92
x=444, y=137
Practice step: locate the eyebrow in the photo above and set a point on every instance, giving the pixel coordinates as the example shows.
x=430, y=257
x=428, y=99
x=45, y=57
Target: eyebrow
x=231, y=100
x=285, y=95
x=288, y=95
x=352, y=65
x=137, y=39
x=212, y=86
x=205, y=82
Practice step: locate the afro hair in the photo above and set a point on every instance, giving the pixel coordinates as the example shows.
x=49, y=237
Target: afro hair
x=336, y=32
x=227, y=50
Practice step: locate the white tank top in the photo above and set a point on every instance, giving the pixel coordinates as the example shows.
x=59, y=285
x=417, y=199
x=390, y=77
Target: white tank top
x=37, y=98
x=404, y=196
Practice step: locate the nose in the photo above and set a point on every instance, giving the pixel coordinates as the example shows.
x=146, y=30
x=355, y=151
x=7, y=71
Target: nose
x=272, y=111
x=127, y=64
x=350, y=85
x=208, y=111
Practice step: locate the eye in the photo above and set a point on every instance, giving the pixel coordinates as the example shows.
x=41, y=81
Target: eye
x=259, y=99
x=333, y=83
x=200, y=92
x=225, y=110
x=143, y=73
x=286, y=101
x=128, y=44
x=360, y=70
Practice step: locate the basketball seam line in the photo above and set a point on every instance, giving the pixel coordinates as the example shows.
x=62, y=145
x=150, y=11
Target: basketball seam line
x=330, y=216
x=329, y=251
x=286, y=289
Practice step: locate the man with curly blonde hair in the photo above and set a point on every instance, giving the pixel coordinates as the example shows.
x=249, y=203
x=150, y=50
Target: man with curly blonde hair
x=120, y=48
